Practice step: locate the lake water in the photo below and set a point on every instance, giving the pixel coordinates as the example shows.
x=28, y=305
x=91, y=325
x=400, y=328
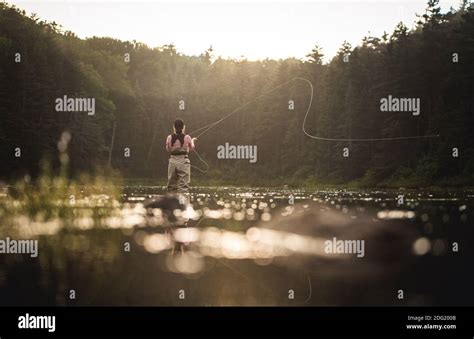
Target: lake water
x=245, y=246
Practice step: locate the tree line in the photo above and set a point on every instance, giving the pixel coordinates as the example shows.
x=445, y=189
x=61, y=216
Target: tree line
x=140, y=90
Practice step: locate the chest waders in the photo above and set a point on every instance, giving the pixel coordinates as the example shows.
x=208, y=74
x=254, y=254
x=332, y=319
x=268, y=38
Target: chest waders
x=179, y=167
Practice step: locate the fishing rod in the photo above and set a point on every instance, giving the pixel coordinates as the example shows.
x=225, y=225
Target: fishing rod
x=208, y=127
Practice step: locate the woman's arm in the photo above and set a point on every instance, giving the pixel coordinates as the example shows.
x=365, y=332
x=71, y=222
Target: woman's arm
x=190, y=142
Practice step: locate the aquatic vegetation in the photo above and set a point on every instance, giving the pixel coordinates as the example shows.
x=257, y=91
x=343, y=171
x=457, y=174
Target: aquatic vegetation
x=54, y=200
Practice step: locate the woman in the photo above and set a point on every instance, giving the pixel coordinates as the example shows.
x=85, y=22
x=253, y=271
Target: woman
x=178, y=145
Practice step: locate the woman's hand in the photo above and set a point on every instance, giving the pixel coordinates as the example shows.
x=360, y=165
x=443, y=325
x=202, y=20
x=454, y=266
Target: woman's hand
x=194, y=140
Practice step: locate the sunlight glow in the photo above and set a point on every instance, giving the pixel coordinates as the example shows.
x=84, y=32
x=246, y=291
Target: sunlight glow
x=237, y=29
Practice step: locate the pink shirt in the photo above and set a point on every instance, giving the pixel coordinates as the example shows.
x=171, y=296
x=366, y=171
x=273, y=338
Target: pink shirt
x=188, y=143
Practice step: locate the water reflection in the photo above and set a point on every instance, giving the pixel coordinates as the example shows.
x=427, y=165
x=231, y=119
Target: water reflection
x=268, y=228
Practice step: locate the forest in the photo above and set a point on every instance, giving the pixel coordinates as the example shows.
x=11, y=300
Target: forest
x=139, y=91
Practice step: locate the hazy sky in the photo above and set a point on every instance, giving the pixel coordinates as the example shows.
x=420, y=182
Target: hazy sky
x=256, y=29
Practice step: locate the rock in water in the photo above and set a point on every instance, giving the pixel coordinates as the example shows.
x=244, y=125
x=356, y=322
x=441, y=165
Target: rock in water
x=171, y=205
x=344, y=272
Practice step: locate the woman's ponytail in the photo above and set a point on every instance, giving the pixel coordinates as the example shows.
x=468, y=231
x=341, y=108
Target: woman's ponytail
x=178, y=126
